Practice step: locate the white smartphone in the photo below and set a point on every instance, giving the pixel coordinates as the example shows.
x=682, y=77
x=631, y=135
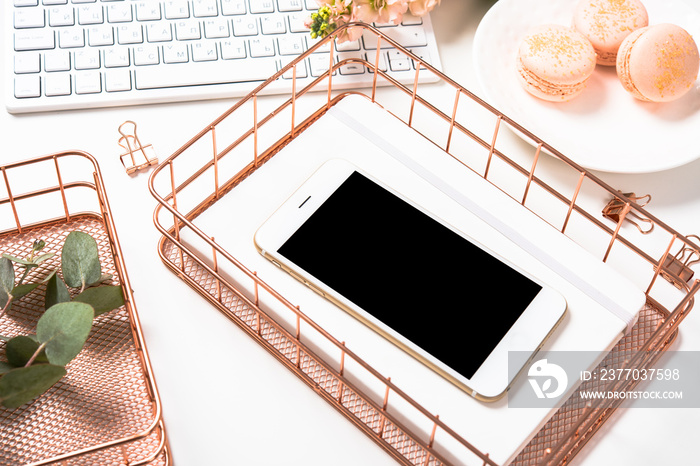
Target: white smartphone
x=411, y=277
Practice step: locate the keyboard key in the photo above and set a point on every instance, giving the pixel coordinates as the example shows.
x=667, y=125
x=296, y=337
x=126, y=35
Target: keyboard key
x=29, y=18
x=130, y=34
x=408, y=37
x=90, y=14
x=147, y=11
x=57, y=84
x=100, y=35
x=273, y=25
x=119, y=13
x=61, y=16
x=233, y=49
x=319, y=63
x=216, y=28
x=351, y=68
x=204, y=51
x=261, y=47
x=204, y=8
x=86, y=59
x=116, y=57
x=349, y=46
x=398, y=61
x=35, y=39
x=300, y=71
x=187, y=30
x=218, y=72
x=28, y=85
x=175, y=53
x=262, y=6
x=146, y=54
x=233, y=7
x=245, y=26
x=71, y=38
x=177, y=9
x=158, y=32
x=88, y=82
x=297, y=23
x=118, y=80
x=290, y=5
x=28, y=62
x=290, y=45
x=57, y=60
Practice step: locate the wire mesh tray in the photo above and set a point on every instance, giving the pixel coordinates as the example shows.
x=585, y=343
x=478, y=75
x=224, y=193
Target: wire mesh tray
x=106, y=410
x=575, y=202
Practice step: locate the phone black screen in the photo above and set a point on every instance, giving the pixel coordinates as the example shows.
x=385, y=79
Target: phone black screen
x=428, y=283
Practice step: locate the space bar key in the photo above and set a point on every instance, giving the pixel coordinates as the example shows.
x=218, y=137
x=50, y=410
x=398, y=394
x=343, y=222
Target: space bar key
x=193, y=74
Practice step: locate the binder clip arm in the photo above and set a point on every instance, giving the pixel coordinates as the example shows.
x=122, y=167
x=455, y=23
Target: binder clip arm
x=676, y=269
x=137, y=156
x=616, y=207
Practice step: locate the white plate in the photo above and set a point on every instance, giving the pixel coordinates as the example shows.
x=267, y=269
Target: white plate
x=604, y=128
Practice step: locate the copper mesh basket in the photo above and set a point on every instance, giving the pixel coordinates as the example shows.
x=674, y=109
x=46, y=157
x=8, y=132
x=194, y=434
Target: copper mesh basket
x=106, y=410
x=575, y=202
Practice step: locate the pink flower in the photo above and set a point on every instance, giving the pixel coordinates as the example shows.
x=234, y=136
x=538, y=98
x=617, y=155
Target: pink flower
x=380, y=11
x=421, y=7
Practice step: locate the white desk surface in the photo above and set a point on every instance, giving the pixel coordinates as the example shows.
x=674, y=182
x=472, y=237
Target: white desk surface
x=226, y=401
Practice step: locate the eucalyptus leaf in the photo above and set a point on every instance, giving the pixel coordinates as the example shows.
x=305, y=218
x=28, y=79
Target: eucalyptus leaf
x=80, y=262
x=38, y=260
x=56, y=291
x=17, y=259
x=22, y=385
x=64, y=328
x=7, y=280
x=20, y=349
x=7, y=275
x=102, y=298
x=22, y=290
x=5, y=367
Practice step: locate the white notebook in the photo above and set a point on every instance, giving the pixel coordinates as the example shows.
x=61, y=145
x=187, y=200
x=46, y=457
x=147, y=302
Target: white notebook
x=602, y=304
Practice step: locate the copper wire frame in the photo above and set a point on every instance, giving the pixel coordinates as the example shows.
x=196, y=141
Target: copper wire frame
x=148, y=445
x=181, y=201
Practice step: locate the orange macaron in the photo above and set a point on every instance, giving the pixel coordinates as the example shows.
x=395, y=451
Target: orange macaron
x=554, y=62
x=658, y=63
x=606, y=23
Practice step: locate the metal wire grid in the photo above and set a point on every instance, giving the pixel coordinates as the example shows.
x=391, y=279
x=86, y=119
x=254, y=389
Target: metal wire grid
x=573, y=208
x=106, y=410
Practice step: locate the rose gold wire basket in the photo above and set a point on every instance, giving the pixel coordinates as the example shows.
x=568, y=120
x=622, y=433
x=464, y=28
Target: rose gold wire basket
x=107, y=409
x=605, y=221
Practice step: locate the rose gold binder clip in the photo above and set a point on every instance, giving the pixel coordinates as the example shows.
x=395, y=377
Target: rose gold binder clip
x=614, y=209
x=138, y=156
x=676, y=269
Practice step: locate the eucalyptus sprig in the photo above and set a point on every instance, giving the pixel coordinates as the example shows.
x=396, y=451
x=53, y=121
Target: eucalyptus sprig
x=36, y=362
x=8, y=289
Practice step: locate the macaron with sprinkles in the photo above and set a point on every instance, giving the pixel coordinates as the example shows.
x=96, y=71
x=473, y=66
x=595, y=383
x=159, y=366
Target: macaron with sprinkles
x=554, y=62
x=658, y=63
x=606, y=23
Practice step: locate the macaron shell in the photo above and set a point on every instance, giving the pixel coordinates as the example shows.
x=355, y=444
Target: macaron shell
x=546, y=90
x=658, y=63
x=554, y=62
x=606, y=23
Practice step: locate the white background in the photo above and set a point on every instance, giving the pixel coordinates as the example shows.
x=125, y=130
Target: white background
x=226, y=401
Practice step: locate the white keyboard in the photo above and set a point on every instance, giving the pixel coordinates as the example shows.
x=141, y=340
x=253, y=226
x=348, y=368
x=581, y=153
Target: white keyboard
x=68, y=54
